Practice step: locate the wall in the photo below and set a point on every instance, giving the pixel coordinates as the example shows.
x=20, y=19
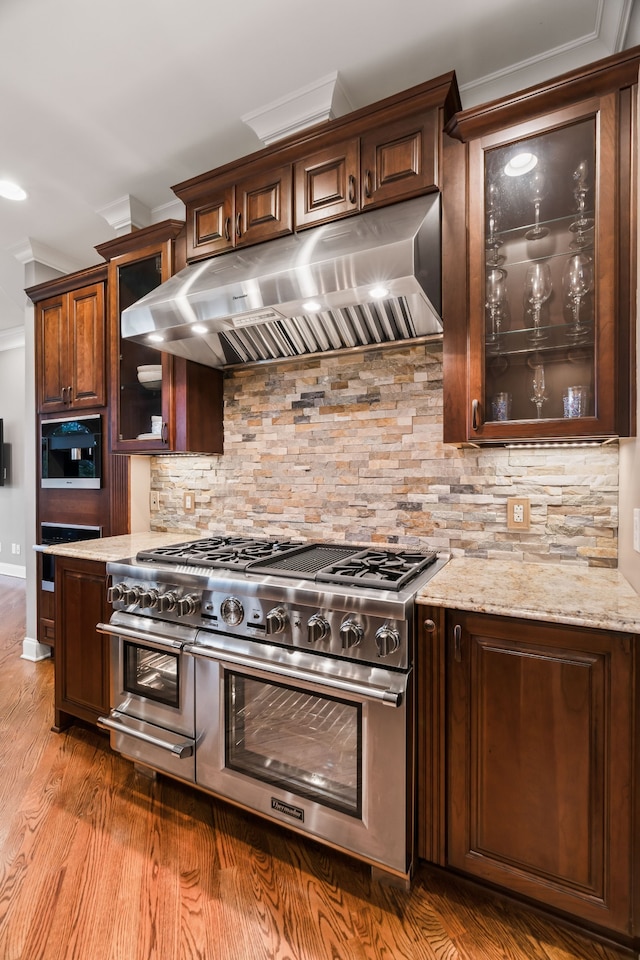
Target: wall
x=350, y=448
x=12, y=494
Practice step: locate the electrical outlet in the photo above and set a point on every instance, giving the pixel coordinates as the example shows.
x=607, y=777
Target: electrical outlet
x=154, y=500
x=15, y=548
x=189, y=502
x=518, y=513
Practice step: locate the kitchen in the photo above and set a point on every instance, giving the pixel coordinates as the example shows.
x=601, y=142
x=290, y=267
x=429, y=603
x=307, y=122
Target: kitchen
x=450, y=493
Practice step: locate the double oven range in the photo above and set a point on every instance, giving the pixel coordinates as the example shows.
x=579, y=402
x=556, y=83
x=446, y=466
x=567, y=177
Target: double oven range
x=279, y=676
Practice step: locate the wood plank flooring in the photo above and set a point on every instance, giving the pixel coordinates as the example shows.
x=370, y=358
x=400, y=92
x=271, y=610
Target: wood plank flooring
x=100, y=863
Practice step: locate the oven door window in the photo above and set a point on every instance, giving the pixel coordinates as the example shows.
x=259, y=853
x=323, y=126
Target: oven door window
x=306, y=743
x=153, y=674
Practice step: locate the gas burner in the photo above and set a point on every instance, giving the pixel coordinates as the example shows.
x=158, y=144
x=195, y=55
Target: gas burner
x=230, y=552
x=382, y=569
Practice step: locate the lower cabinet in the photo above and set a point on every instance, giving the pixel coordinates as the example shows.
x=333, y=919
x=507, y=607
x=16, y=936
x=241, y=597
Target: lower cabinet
x=81, y=653
x=538, y=740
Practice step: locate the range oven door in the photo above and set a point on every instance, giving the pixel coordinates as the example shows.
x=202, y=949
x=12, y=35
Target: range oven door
x=152, y=718
x=321, y=745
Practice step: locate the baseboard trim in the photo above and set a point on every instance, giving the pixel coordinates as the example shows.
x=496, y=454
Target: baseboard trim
x=34, y=651
x=13, y=570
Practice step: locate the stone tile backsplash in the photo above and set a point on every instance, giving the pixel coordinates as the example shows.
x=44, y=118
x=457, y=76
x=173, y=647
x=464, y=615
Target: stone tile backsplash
x=349, y=448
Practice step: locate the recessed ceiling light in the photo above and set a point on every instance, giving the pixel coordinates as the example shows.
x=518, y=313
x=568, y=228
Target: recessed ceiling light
x=312, y=306
x=378, y=292
x=11, y=191
x=520, y=163
x=155, y=337
x=199, y=328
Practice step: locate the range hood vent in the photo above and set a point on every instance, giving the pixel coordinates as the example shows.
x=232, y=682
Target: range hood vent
x=365, y=280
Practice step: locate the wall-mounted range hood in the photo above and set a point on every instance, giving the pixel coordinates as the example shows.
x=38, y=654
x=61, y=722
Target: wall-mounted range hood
x=368, y=279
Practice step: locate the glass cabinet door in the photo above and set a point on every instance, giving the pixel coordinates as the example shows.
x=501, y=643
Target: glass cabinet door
x=544, y=289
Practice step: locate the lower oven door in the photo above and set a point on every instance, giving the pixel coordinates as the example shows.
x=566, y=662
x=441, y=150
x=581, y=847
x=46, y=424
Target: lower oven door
x=152, y=718
x=320, y=745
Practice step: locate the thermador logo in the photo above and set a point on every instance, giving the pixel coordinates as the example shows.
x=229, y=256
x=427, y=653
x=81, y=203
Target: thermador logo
x=296, y=812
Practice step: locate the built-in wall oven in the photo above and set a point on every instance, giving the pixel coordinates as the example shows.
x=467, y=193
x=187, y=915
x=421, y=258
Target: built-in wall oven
x=298, y=701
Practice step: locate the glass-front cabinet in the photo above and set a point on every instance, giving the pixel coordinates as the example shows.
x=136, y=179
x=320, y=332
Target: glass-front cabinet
x=159, y=403
x=551, y=269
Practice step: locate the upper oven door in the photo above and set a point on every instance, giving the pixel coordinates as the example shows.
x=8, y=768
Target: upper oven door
x=325, y=754
x=151, y=678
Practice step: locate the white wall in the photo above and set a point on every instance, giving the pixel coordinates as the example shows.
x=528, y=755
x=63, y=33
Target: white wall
x=12, y=494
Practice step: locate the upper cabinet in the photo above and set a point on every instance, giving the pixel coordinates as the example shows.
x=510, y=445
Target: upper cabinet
x=539, y=319
x=383, y=153
x=159, y=403
x=71, y=342
x=238, y=214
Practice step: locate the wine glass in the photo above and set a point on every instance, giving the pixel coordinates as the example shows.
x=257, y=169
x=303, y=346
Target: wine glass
x=496, y=295
x=538, y=385
x=537, y=192
x=580, y=177
x=493, y=240
x=537, y=288
x=577, y=281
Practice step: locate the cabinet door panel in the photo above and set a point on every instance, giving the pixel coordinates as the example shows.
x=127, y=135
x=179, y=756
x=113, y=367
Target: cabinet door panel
x=87, y=343
x=52, y=353
x=540, y=735
x=264, y=206
x=326, y=184
x=400, y=160
x=212, y=225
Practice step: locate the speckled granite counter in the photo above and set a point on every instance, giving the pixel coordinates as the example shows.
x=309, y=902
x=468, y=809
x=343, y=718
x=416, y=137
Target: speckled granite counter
x=585, y=596
x=116, y=548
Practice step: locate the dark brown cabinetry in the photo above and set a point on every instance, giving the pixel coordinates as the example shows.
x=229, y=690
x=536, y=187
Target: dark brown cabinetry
x=540, y=742
x=82, y=654
x=71, y=345
x=383, y=153
x=539, y=320
x=238, y=214
x=158, y=403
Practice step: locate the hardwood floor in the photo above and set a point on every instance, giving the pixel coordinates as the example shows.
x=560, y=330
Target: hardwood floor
x=100, y=863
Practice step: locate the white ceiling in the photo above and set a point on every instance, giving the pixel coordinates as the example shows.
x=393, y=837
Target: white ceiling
x=101, y=101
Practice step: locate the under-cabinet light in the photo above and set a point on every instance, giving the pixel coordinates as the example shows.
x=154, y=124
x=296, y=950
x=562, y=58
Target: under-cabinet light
x=520, y=163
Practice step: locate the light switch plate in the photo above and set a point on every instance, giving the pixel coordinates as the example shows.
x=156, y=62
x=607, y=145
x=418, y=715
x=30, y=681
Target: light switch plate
x=189, y=502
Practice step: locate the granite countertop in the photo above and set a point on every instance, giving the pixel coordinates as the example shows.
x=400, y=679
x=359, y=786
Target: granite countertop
x=116, y=548
x=584, y=596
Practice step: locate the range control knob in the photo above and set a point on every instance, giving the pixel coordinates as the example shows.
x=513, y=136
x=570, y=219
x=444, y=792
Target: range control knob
x=117, y=593
x=132, y=595
x=317, y=628
x=277, y=621
x=232, y=611
x=149, y=598
x=167, y=602
x=188, y=605
x=351, y=632
x=387, y=640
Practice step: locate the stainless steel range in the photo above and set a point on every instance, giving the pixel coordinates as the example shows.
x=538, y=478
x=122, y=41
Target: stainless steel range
x=279, y=676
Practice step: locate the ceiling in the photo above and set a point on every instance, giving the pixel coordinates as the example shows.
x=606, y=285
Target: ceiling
x=123, y=99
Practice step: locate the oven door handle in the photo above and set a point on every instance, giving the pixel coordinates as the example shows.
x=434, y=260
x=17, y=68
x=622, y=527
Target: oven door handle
x=390, y=698
x=180, y=750
x=147, y=639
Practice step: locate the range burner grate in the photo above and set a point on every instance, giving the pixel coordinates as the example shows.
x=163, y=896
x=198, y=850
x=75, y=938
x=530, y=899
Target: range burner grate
x=218, y=552
x=383, y=569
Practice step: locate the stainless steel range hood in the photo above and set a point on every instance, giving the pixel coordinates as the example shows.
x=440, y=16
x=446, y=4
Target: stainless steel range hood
x=318, y=290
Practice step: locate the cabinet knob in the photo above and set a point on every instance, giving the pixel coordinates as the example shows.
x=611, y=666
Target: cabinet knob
x=429, y=626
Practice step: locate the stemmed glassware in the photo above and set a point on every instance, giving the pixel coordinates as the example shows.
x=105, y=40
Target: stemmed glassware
x=539, y=395
x=537, y=291
x=493, y=240
x=496, y=295
x=582, y=223
x=577, y=281
x=538, y=191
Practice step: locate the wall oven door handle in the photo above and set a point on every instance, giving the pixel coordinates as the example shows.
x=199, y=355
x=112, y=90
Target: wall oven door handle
x=142, y=637
x=180, y=750
x=390, y=698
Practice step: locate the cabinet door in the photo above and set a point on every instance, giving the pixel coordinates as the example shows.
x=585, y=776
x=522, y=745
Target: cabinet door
x=540, y=740
x=52, y=353
x=211, y=224
x=326, y=183
x=399, y=160
x=549, y=313
x=87, y=343
x=264, y=206
x=82, y=654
